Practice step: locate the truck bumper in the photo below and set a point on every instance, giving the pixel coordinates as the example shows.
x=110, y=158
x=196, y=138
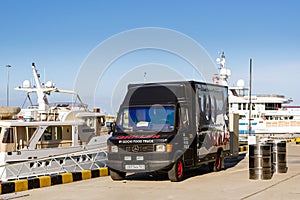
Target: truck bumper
x=138, y=163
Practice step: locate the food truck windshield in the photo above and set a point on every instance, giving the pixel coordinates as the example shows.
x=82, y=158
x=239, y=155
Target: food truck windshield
x=158, y=118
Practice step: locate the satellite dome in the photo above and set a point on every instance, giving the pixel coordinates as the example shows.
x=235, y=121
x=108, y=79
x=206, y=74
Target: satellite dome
x=26, y=84
x=49, y=84
x=240, y=83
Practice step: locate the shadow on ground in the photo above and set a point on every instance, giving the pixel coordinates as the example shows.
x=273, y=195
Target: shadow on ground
x=204, y=169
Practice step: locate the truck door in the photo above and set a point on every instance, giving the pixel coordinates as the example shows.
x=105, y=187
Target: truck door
x=187, y=136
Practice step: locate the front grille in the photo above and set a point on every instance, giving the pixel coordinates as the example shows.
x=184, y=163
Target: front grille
x=138, y=148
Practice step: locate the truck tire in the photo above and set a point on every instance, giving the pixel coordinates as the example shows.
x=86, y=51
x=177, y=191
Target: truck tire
x=117, y=175
x=218, y=164
x=176, y=173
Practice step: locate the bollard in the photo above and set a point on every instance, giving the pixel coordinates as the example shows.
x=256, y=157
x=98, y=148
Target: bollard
x=279, y=157
x=273, y=164
x=260, y=165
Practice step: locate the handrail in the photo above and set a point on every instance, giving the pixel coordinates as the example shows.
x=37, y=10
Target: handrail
x=80, y=160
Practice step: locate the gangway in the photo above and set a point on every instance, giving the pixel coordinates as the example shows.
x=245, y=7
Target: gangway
x=82, y=160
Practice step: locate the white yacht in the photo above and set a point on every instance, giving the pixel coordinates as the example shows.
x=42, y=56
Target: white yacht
x=270, y=114
x=50, y=137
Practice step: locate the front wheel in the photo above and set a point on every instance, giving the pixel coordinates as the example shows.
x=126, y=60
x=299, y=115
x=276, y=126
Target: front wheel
x=117, y=175
x=176, y=173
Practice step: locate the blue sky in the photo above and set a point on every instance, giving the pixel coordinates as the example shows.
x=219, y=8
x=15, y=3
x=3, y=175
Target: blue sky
x=58, y=35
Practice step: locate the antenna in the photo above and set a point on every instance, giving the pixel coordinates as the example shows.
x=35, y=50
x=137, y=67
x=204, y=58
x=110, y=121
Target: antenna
x=7, y=86
x=44, y=75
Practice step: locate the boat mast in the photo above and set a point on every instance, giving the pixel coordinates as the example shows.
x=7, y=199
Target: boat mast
x=42, y=99
x=224, y=73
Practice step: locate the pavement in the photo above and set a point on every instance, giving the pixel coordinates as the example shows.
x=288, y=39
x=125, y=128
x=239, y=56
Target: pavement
x=231, y=183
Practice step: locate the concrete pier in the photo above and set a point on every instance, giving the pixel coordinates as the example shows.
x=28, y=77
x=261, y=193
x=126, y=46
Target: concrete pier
x=231, y=183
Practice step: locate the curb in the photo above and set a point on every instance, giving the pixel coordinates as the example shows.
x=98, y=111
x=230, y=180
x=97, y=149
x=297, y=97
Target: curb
x=46, y=181
x=291, y=140
x=243, y=148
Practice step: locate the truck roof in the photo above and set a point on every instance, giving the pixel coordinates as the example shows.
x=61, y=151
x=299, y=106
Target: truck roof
x=161, y=92
x=178, y=83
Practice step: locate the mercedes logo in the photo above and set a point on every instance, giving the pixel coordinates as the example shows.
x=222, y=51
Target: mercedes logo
x=135, y=148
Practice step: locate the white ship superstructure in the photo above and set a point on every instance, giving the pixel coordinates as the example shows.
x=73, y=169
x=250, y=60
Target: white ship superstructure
x=50, y=137
x=270, y=117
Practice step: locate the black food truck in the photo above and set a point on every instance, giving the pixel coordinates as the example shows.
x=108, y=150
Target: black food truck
x=170, y=127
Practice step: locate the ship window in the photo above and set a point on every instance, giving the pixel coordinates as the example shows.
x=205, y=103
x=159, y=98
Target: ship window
x=244, y=106
x=8, y=136
x=57, y=133
x=272, y=106
x=48, y=134
x=101, y=121
x=90, y=122
x=53, y=133
x=240, y=106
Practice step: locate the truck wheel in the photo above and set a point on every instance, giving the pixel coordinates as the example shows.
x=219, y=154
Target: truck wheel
x=177, y=172
x=218, y=164
x=117, y=175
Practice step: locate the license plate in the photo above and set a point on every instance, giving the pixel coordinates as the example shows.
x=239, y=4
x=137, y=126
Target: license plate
x=133, y=167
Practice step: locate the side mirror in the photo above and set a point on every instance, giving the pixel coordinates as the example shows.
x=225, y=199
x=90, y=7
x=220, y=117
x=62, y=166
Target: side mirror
x=112, y=127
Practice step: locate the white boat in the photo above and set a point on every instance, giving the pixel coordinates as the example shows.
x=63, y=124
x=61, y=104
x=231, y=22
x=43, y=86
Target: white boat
x=270, y=114
x=50, y=137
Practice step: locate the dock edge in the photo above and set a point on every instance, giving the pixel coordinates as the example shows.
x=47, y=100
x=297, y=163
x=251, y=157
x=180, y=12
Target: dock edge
x=46, y=181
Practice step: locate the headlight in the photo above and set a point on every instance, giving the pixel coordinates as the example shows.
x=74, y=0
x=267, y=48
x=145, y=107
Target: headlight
x=114, y=149
x=160, y=148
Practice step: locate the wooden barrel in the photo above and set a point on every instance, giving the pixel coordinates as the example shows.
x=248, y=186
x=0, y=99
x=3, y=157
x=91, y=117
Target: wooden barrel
x=279, y=157
x=260, y=163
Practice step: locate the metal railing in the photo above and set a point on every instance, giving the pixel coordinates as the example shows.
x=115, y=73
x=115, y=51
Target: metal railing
x=82, y=160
